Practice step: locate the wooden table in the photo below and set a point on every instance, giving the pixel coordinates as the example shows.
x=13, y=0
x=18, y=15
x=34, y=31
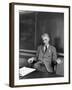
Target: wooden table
x=38, y=74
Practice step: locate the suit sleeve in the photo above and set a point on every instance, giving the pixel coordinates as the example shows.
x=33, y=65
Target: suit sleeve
x=54, y=54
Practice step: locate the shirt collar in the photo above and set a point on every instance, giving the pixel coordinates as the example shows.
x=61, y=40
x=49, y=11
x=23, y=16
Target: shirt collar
x=47, y=46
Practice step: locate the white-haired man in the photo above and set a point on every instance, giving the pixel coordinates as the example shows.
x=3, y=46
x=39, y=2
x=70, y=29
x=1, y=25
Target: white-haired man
x=46, y=56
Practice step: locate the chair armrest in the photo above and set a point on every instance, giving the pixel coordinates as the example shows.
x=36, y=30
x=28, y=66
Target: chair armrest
x=60, y=67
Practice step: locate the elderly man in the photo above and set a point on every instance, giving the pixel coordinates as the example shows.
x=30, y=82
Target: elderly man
x=46, y=56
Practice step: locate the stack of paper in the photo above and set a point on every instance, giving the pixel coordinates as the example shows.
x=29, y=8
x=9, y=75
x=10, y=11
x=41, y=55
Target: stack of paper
x=25, y=71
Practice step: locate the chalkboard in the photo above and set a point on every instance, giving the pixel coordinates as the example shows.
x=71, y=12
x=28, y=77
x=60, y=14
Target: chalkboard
x=33, y=24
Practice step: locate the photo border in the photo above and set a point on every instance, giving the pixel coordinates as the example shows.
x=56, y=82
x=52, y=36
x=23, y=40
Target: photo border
x=11, y=43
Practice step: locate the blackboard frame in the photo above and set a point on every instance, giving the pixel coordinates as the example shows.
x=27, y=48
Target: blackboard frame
x=12, y=47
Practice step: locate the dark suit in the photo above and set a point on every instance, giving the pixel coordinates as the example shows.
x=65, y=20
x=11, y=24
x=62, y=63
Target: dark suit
x=45, y=59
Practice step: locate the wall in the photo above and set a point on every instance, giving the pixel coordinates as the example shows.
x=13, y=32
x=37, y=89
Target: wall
x=52, y=23
x=34, y=24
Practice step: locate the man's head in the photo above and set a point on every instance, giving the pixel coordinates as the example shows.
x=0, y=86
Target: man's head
x=45, y=37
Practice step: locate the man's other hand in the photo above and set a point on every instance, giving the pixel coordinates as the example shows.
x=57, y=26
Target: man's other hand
x=59, y=61
x=30, y=60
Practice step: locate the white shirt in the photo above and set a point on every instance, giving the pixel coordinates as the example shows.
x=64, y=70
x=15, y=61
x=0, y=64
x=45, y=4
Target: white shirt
x=45, y=47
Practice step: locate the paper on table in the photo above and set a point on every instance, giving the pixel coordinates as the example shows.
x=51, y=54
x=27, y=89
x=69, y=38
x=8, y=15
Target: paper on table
x=25, y=70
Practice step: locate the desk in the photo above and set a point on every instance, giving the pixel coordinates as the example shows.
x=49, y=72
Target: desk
x=38, y=74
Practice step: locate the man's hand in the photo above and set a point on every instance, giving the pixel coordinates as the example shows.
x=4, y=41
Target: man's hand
x=59, y=61
x=30, y=60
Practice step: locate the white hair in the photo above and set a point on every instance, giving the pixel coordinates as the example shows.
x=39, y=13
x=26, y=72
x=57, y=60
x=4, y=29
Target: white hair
x=45, y=35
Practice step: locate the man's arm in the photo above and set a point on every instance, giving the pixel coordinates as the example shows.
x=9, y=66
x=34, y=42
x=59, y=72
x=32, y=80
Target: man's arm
x=32, y=59
x=55, y=59
x=54, y=55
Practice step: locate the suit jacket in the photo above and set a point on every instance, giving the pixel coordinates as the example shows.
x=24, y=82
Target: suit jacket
x=47, y=57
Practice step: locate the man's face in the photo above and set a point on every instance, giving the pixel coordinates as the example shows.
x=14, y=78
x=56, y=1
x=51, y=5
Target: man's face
x=45, y=40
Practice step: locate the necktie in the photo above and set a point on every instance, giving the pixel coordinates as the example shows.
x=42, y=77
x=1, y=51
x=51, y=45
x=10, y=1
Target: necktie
x=45, y=48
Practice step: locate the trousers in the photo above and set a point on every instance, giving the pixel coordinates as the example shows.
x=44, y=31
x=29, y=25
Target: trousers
x=40, y=66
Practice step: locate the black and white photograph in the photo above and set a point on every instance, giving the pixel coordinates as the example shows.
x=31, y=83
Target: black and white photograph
x=40, y=44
